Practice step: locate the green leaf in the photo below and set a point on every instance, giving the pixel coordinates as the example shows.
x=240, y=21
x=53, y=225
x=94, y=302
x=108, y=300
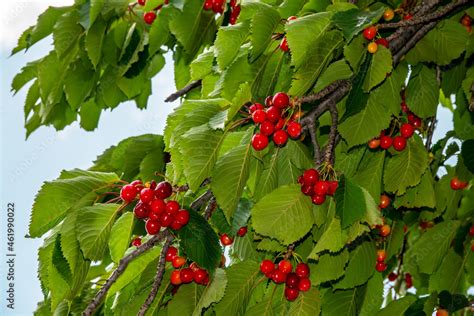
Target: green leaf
x=186, y=299
x=360, y=267
x=320, y=54
x=332, y=239
x=152, y=163
x=94, y=40
x=66, y=32
x=422, y=93
x=78, y=83
x=357, y=98
x=120, y=235
x=90, y=114
x=26, y=74
x=405, y=168
x=428, y=251
x=369, y=173
x=353, y=21
x=422, y=195
x=380, y=66
x=336, y=71
x=355, y=52
x=340, y=302
x=212, y=293
x=388, y=93
x=268, y=180
x=241, y=278
x=395, y=239
x=69, y=244
x=202, y=65
x=467, y=153
x=93, y=229
x=307, y=304
x=160, y=31
x=263, y=24
x=349, y=202
x=229, y=40
x=58, y=197
x=96, y=8
x=329, y=267
x=285, y=214
x=200, y=242
x=450, y=273
x=397, y=307
x=373, y=296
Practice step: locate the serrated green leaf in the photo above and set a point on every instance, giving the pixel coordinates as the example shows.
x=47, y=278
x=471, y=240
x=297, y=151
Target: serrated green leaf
x=395, y=239
x=284, y=214
x=263, y=24
x=89, y=114
x=449, y=274
x=388, y=93
x=78, y=83
x=422, y=195
x=353, y=21
x=270, y=245
x=355, y=52
x=467, y=153
x=213, y=293
x=69, y=244
x=380, y=66
x=229, y=40
x=369, y=173
x=66, y=32
x=202, y=65
x=349, y=202
x=186, y=299
x=340, y=302
x=360, y=267
x=336, y=71
x=160, y=31
x=120, y=235
x=329, y=267
x=373, y=296
x=397, y=307
x=94, y=40
x=307, y=304
x=422, y=93
x=332, y=239
x=268, y=181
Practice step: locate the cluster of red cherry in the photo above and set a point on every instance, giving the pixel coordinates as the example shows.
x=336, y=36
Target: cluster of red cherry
x=457, y=184
x=384, y=229
x=312, y=186
x=218, y=6
x=273, y=120
x=226, y=240
x=282, y=273
x=284, y=43
x=369, y=34
x=184, y=275
x=381, y=266
x=408, y=279
x=152, y=206
x=150, y=16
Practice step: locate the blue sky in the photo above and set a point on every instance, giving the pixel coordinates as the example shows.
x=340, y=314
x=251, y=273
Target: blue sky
x=26, y=164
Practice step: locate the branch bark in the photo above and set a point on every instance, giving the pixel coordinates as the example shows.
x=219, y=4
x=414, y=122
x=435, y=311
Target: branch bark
x=210, y=208
x=329, y=153
x=314, y=140
x=174, y=96
x=202, y=200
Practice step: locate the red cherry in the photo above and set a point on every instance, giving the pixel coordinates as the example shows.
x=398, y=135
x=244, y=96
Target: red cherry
x=137, y=184
x=259, y=116
x=254, y=107
x=382, y=41
x=380, y=266
x=307, y=190
x=281, y=100
x=208, y=5
x=232, y=19
x=311, y=176
x=407, y=130
x=175, y=278
x=154, y=216
x=146, y=195
x=200, y=276
x=186, y=275
x=370, y=32
x=455, y=183
x=141, y=2
x=472, y=247
x=294, y=129
x=267, y=128
x=140, y=210
x=408, y=17
x=399, y=143
x=466, y=20
x=182, y=217
x=280, y=137
x=273, y=114
x=242, y=231
x=259, y=142
x=269, y=101
x=404, y=107
x=304, y=285
x=332, y=187
x=158, y=206
x=291, y=294
x=226, y=240
x=172, y=207
x=137, y=242
x=292, y=280
x=163, y=190
x=285, y=266
x=178, y=262
x=471, y=231
x=381, y=255
x=385, y=230
x=280, y=124
x=302, y=270
x=374, y=143
x=175, y=225
x=284, y=45
x=321, y=188
x=385, y=142
x=149, y=17
x=171, y=253
x=218, y=6
x=318, y=199
x=278, y=276
x=442, y=312
x=128, y=193
x=267, y=266
x=415, y=121
x=408, y=280
x=291, y=18
x=392, y=276
x=384, y=201
x=152, y=227
x=166, y=219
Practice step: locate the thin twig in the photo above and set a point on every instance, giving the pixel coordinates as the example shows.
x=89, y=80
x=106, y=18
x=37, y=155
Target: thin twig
x=174, y=96
x=471, y=104
x=328, y=155
x=159, y=275
x=321, y=94
x=201, y=200
x=316, y=148
x=185, y=187
x=413, y=41
x=431, y=130
x=211, y=206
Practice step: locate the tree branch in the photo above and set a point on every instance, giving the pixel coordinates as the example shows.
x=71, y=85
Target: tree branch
x=202, y=200
x=321, y=94
x=316, y=148
x=471, y=104
x=328, y=155
x=174, y=96
x=412, y=41
x=159, y=274
x=95, y=303
x=211, y=206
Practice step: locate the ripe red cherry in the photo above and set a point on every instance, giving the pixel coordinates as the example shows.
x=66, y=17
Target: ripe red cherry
x=374, y=143
x=408, y=280
x=137, y=242
x=154, y=216
x=442, y=312
x=269, y=101
x=141, y=2
x=370, y=32
x=242, y=231
x=301, y=180
x=175, y=225
x=302, y=270
x=380, y=266
x=208, y=5
x=408, y=17
x=267, y=128
x=175, y=278
x=285, y=266
x=182, y=217
x=259, y=142
x=304, y=285
x=163, y=190
x=178, y=262
x=466, y=20
x=292, y=280
x=267, y=266
x=385, y=142
x=392, y=276
x=259, y=116
x=158, y=206
x=382, y=41
x=281, y=100
x=318, y=199
x=455, y=183
x=416, y=122
x=273, y=114
x=332, y=187
x=472, y=247
x=140, y=210
x=381, y=255
x=284, y=45
x=254, y=107
x=399, y=143
x=385, y=230
x=407, y=130
x=321, y=188
x=278, y=276
x=137, y=184
x=172, y=207
x=152, y=227
x=149, y=17
x=291, y=18
x=166, y=219
x=471, y=231
x=384, y=201
x=128, y=193
x=307, y=189
x=186, y=275
x=280, y=137
x=171, y=253
x=218, y=6
x=311, y=176
x=291, y=294
x=200, y=276
x=404, y=107
x=226, y=240
x=146, y=195
x=294, y=129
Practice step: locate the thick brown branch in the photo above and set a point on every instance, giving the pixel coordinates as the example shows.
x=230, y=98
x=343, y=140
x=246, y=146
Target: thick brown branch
x=329, y=153
x=174, y=96
x=95, y=303
x=159, y=274
x=314, y=140
x=321, y=94
x=412, y=41
x=201, y=200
